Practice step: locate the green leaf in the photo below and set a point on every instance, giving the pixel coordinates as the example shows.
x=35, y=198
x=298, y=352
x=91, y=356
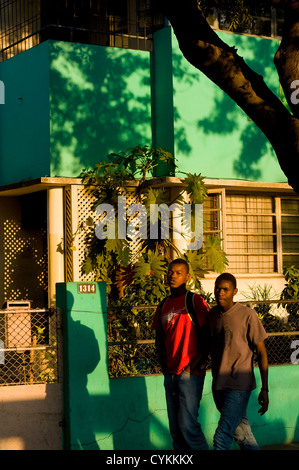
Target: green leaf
x=87, y=266
x=196, y=188
x=155, y=264
x=216, y=257
x=89, y=222
x=154, y=196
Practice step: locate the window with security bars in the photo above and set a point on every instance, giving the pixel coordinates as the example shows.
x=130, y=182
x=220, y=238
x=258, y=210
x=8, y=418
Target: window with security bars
x=212, y=215
x=260, y=232
x=114, y=23
x=260, y=19
x=251, y=233
x=290, y=232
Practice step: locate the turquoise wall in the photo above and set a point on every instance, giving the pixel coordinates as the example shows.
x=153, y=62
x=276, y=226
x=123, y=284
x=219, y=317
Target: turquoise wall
x=69, y=105
x=79, y=103
x=162, y=96
x=138, y=418
x=24, y=118
x=219, y=140
x=100, y=102
x=130, y=413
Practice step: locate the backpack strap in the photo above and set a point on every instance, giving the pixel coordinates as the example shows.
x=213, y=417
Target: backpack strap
x=189, y=304
x=161, y=307
x=190, y=308
x=162, y=304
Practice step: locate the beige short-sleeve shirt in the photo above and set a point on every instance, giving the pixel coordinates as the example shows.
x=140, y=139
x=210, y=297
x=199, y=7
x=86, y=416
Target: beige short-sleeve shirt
x=234, y=335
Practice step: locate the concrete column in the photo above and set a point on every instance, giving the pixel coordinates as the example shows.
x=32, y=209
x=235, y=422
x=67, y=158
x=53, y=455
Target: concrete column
x=55, y=241
x=162, y=97
x=86, y=387
x=179, y=243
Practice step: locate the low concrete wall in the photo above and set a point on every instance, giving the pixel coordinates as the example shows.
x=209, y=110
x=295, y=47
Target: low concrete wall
x=130, y=413
x=31, y=417
x=132, y=416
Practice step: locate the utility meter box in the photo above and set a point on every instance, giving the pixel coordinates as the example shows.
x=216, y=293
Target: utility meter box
x=17, y=324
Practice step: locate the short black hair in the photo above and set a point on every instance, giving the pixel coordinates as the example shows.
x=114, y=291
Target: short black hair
x=227, y=277
x=180, y=261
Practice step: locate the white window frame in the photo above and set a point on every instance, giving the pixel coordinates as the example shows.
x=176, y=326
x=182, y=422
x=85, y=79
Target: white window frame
x=284, y=192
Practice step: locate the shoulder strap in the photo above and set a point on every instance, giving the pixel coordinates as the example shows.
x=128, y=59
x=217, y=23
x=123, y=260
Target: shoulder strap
x=189, y=303
x=162, y=304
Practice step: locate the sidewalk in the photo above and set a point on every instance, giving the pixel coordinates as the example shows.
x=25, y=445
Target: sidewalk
x=288, y=446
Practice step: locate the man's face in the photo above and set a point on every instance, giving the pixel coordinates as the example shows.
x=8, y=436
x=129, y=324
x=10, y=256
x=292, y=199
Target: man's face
x=224, y=294
x=177, y=275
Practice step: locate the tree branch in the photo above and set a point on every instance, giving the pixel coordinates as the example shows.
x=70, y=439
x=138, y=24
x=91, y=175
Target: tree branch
x=286, y=58
x=219, y=62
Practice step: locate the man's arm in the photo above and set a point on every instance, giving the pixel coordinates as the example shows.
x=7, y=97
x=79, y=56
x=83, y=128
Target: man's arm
x=160, y=347
x=262, y=359
x=202, y=356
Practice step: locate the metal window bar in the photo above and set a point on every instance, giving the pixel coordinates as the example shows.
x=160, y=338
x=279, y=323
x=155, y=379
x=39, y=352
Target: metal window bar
x=131, y=343
x=267, y=24
x=29, y=347
x=126, y=23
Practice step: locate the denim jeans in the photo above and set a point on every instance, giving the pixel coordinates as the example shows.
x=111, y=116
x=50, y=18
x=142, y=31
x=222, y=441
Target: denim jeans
x=183, y=395
x=233, y=423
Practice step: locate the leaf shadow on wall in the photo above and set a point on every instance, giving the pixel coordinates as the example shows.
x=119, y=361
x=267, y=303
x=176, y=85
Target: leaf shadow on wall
x=226, y=117
x=100, y=103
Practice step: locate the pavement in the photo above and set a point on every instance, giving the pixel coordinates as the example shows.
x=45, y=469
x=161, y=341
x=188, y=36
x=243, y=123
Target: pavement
x=287, y=446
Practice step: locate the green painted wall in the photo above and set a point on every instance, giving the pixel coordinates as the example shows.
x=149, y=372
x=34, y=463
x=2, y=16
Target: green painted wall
x=218, y=140
x=24, y=118
x=100, y=102
x=69, y=105
x=162, y=96
x=130, y=413
x=79, y=103
x=85, y=362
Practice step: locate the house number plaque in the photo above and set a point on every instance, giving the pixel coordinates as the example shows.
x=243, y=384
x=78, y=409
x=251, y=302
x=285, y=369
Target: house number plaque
x=84, y=288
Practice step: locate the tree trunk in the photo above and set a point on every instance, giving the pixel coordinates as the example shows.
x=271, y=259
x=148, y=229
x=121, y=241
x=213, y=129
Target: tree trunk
x=220, y=63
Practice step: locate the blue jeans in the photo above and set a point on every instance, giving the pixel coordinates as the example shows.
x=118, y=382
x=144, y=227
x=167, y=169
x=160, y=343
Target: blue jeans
x=233, y=423
x=183, y=395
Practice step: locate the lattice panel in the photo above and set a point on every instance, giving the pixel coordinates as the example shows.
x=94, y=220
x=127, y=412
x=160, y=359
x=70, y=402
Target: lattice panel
x=80, y=203
x=68, y=236
x=23, y=261
x=85, y=200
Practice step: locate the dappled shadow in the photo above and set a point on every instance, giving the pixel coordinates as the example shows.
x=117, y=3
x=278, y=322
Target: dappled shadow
x=225, y=115
x=100, y=102
x=186, y=77
x=221, y=141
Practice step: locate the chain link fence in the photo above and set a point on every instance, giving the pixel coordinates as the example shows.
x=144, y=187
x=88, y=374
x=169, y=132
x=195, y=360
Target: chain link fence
x=29, y=352
x=281, y=322
x=28, y=345
x=131, y=341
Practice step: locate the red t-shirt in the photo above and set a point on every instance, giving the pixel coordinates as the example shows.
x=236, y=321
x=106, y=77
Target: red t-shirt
x=180, y=333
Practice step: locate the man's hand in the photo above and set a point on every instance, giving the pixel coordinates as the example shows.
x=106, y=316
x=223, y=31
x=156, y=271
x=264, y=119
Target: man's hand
x=263, y=400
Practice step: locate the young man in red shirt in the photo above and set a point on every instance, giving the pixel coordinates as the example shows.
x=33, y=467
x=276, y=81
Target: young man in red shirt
x=181, y=346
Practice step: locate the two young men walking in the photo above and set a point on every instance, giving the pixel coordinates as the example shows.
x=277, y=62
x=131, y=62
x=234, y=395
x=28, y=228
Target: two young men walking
x=230, y=333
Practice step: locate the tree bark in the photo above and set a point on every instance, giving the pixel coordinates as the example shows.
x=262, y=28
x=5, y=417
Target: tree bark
x=202, y=47
x=286, y=58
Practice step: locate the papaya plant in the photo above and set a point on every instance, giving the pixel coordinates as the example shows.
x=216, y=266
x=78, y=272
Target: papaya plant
x=124, y=263
x=135, y=268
